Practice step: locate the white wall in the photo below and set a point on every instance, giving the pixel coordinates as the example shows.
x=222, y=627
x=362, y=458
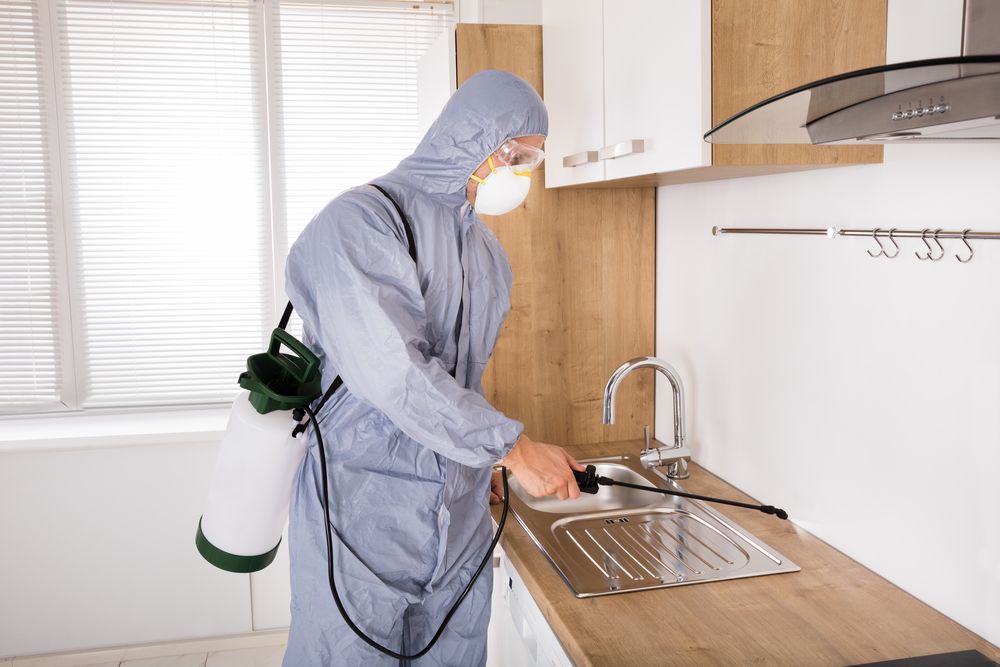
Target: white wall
x=98, y=550
x=500, y=11
x=436, y=74
x=860, y=394
x=512, y=11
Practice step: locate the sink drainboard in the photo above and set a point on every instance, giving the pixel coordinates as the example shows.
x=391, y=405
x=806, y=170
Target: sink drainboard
x=662, y=545
x=677, y=542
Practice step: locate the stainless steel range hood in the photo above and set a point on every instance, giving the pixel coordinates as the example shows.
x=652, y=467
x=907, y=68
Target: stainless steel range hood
x=941, y=100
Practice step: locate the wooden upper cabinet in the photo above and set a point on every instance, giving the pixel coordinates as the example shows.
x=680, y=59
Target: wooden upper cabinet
x=633, y=85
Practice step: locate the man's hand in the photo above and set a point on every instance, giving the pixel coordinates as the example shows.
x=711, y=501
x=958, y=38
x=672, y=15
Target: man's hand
x=543, y=469
x=496, y=488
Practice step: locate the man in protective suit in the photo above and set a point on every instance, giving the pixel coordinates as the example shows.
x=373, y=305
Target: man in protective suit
x=410, y=439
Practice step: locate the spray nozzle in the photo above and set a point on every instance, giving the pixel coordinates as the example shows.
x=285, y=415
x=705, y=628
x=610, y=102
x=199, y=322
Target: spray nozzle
x=587, y=480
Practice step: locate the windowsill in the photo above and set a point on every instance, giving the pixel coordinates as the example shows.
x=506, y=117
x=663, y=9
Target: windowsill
x=85, y=431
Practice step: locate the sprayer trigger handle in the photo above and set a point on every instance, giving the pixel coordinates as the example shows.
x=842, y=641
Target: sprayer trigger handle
x=587, y=480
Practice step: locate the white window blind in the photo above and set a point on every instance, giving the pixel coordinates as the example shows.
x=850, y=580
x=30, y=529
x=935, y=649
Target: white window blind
x=29, y=357
x=346, y=96
x=166, y=140
x=192, y=141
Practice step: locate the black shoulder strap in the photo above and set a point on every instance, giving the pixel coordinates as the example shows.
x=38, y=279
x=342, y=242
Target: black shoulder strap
x=411, y=246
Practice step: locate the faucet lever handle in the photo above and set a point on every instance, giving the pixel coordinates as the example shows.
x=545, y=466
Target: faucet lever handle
x=645, y=437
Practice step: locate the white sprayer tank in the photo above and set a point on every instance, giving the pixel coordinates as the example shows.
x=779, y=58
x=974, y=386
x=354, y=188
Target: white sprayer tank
x=248, y=499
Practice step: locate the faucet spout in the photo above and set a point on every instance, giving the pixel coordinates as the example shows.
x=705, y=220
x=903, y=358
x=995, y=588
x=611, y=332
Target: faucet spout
x=677, y=469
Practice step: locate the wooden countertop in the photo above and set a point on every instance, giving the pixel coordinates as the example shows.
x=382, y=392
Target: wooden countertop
x=833, y=612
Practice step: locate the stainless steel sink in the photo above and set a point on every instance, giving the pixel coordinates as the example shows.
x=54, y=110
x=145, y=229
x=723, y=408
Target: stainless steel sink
x=622, y=539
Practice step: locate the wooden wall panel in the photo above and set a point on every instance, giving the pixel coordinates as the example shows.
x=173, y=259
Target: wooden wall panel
x=764, y=47
x=584, y=276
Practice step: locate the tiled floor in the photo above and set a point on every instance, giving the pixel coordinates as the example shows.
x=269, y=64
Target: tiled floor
x=187, y=660
x=267, y=656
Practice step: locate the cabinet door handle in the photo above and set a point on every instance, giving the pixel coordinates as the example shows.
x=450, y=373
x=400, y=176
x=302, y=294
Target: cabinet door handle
x=621, y=150
x=576, y=159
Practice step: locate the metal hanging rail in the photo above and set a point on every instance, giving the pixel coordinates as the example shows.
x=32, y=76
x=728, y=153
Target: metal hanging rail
x=884, y=232
x=926, y=235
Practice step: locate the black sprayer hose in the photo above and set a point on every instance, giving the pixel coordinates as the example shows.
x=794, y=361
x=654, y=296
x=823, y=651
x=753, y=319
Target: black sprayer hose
x=329, y=558
x=766, y=509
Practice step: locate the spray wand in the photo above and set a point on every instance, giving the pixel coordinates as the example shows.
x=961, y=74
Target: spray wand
x=590, y=482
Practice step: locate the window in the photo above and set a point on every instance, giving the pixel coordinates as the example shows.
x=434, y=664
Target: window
x=29, y=351
x=166, y=153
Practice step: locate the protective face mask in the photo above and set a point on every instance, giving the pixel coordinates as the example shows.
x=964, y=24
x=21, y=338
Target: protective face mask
x=502, y=191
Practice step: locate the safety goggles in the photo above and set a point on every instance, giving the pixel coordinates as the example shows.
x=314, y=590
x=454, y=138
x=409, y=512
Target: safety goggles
x=521, y=158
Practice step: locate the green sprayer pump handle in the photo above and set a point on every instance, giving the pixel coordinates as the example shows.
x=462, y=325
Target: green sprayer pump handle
x=279, y=336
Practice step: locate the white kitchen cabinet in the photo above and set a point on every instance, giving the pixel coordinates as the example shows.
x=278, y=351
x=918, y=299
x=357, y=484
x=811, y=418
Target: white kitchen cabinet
x=504, y=647
x=627, y=86
x=573, y=63
x=656, y=85
x=519, y=635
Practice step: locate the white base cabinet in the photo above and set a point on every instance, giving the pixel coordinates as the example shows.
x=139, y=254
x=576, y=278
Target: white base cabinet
x=519, y=635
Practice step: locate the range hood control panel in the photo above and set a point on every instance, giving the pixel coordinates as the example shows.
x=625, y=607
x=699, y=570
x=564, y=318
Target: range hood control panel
x=920, y=111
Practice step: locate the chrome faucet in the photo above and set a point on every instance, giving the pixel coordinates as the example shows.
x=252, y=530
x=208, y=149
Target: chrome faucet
x=674, y=458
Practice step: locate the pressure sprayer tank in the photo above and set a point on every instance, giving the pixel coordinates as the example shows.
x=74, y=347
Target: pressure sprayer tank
x=247, y=505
